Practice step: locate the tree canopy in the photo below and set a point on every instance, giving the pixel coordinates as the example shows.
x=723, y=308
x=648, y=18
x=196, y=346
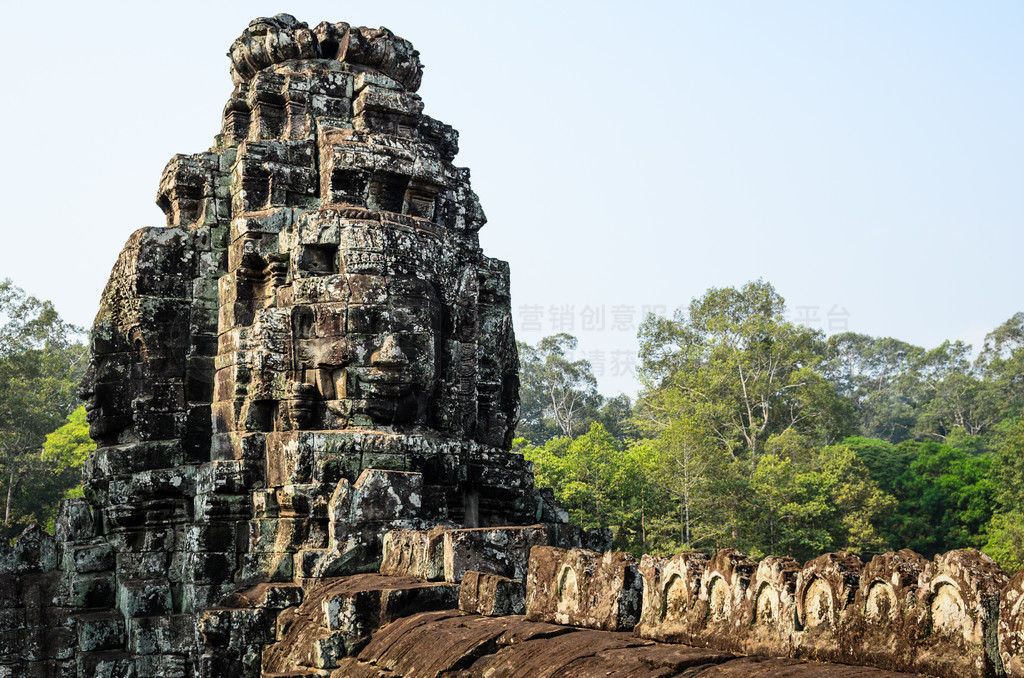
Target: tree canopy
x=41, y=363
x=755, y=432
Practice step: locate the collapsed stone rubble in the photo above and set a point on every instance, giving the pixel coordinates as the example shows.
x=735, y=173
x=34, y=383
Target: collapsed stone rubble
x=303, y=392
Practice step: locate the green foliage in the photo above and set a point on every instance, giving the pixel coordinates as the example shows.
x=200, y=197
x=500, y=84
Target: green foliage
x=1005, y=540
x=40, y=366
x=807, y=500
x=876, y=377
x=739, y=371
x=559, y=395
x=1004, y=535
x=945, y=498
x=756, y=433
x=57, y=470
x=600, y=481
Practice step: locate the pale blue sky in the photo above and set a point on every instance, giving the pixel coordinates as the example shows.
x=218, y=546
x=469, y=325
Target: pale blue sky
x=862, y=156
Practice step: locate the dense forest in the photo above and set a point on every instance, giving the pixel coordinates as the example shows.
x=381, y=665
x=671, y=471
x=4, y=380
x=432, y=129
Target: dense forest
x=44, y=437
x=753, y=432
x=749, y=431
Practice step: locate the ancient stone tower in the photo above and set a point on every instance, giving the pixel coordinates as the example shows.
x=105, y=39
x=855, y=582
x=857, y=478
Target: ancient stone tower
x=317, y=305
x=312, y=352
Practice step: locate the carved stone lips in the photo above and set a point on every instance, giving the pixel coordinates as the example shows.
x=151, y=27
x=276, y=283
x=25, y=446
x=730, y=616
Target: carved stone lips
x=385, y=383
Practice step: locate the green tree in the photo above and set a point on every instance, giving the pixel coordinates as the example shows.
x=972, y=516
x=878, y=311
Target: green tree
x=40, y=366
x=1001, y=364
x=956, y=397
x=878, y=377
x=884, y=462
x=616, y=415
x=1005, y=532
x=699, y=479
x=558, y=395
x=601, y=482
x=806, y=500
x=57, y=471
x=946, y=497
x=737, y=367
x=1004, y=540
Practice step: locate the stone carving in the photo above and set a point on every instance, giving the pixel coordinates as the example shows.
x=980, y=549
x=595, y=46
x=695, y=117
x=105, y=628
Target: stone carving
x=313, y=352
x=584, y=588
x=1011, y=626
x=900, y=612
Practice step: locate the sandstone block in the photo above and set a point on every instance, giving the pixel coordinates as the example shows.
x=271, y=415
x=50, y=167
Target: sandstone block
x=826, y=586
x=491, y=595
x=768, y=614
x=92, y=558
x=583, y=588
x=961, y=601
x=1011, y=626
x=671, y=591
x=503, y=551
x=416, y=553
x=99, y=631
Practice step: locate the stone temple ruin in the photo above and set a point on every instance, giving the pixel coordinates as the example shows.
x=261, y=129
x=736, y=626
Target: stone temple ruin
x=303, y=392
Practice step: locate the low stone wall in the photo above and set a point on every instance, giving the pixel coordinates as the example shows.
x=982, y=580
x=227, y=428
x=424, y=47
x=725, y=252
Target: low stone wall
x=953, y=616
x=583, y=588
x=1011, y=626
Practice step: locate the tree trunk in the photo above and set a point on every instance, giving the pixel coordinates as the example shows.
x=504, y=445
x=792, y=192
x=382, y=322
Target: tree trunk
x=10, y=497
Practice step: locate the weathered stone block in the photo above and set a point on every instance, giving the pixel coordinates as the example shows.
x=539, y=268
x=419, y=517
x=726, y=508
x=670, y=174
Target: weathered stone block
x=826, y=586
x=74, y=521
x=144, y=597
x=91, y=590
x=105, y=665
x=33, y=551
x=491, y=595
x=385, y=495
x=208, y=567
x=416, y=553
x=12, y=619
x=161, y=635
x=92, y=557
x=583, y=588
x=887, y=622
x=670, y=593
x=221, y=536
x=336, y=620
x=961, y=601
x=503, y=551
x=768, y=614
x=161, y=666
x=99, y=631
x=1011, y=626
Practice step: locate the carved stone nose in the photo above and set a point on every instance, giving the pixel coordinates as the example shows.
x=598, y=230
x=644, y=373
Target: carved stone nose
x=390, y=355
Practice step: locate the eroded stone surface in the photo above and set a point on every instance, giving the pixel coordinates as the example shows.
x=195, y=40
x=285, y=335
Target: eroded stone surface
x=469, y=646
x=491, y=595
x=313, y=352
x=1011, y=626
x=583, y=588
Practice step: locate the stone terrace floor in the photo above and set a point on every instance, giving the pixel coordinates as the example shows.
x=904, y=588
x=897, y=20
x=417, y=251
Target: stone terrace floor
x=455, y=644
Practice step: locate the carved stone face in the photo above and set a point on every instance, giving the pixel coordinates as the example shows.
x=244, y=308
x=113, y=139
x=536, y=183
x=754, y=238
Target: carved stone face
x=393, y=365
x=105, y=391
x=376, y=357
x=363, y=318
x=133, y=388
